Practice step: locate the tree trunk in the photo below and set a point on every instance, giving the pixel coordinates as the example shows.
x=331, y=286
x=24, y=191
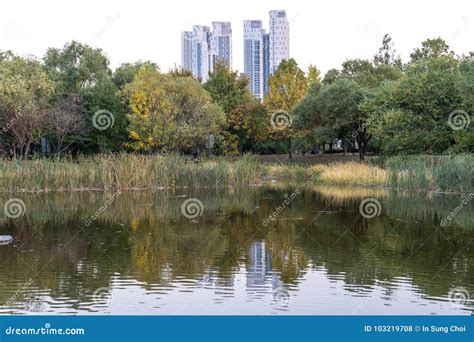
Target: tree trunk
x=290, y=156
x=361, y=150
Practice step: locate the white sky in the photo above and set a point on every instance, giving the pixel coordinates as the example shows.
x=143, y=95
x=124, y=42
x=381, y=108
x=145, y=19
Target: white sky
x=323, y=33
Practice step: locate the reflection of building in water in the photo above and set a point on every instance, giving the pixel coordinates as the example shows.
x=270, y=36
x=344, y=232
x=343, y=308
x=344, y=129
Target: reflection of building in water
x=259, y=265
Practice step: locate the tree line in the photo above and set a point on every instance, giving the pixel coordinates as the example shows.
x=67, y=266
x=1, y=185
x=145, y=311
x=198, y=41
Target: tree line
x=70, y=102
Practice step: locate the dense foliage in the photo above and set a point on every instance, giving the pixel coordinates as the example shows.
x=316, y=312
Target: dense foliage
x=70, y=102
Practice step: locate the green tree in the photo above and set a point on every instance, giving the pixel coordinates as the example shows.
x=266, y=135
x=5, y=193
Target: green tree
x=25, y=90
x=232, y=93
x=431, y=48
x=314, y=75
x=75, y=67
x=125, y=73
x=227, y=88
x=464, y=138
x=387, y=54
x=249, y=123
x=434, y=85
x=104, y=96
x=330, y=76
x=83, y=72
x=286, y=87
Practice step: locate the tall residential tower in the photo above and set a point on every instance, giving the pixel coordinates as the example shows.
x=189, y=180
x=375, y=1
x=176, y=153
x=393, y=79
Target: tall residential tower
x=254, y=56
x=279, y=38
x=263, y=51
x=201, y=48
x=221, y=42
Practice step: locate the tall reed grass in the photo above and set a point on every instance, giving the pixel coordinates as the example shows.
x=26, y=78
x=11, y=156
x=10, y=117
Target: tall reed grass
x=437, y=173
x=126, y=171
x=129, y=171
x=334, y=174
x=431, y=173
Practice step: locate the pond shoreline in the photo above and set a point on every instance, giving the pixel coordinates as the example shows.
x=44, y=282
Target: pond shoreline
x=127, y=172
x=264, y=184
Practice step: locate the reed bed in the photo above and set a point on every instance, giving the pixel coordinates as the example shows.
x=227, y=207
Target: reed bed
x=436, y=173
x=126, y=172
x=338, y=173
x=430, y=173
x=130, y=171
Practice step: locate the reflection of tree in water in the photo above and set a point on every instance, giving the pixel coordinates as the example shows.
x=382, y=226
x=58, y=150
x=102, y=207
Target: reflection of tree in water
x=143, y=235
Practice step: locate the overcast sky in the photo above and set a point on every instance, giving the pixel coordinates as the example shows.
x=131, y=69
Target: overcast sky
x=323, y=33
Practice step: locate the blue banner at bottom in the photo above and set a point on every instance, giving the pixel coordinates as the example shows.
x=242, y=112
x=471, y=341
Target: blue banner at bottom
x=236, y=328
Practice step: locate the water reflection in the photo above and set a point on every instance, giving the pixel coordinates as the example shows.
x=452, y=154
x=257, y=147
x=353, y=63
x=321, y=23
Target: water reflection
x=317, y=255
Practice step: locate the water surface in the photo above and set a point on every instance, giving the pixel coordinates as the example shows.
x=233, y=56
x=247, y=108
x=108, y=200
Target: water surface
x=278, y=250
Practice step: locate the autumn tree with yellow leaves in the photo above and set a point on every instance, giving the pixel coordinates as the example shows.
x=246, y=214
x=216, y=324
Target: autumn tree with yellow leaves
x=170, y=113
x=286, y=87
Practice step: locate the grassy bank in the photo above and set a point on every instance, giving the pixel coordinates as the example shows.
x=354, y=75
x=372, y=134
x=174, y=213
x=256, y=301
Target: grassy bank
x=126, y=172
x=350, y=173
x=446, y=173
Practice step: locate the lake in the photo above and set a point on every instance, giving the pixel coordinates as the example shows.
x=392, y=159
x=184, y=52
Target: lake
x=278, y=249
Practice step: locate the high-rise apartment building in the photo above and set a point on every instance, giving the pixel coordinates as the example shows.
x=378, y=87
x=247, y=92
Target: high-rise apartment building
x=263, y=51
x=221, y=42
x=254, y=56
x=279, y=38
x=187, y=49
x=201, y=48
x=266, y=61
